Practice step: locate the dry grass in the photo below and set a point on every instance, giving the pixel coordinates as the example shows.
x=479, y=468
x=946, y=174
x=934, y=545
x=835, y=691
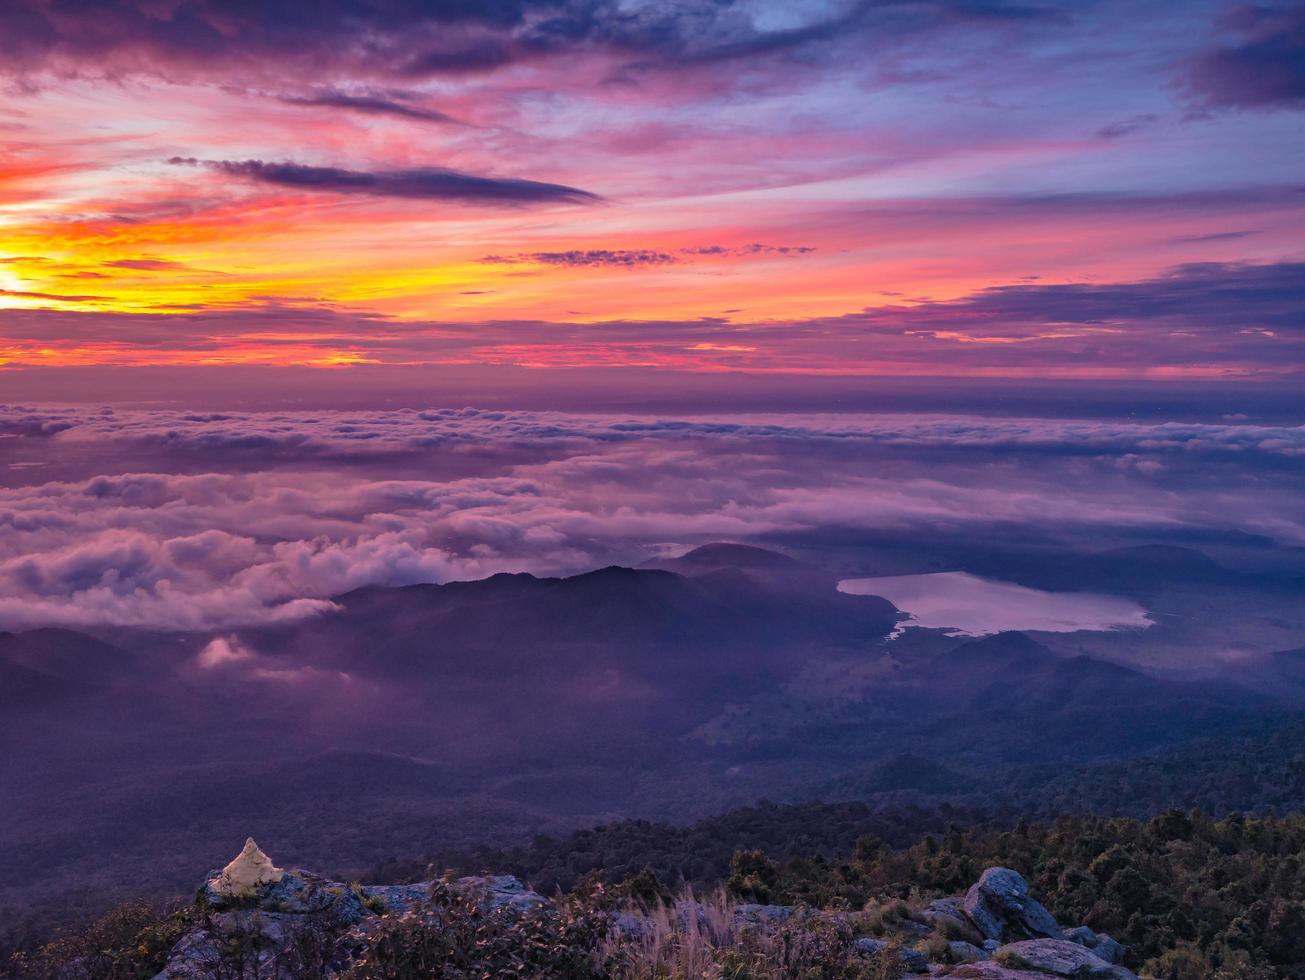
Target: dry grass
x=680, y=940
x=705, y=939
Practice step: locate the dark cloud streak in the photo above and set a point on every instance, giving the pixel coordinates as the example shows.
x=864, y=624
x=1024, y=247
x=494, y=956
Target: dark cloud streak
x=579, y=258
x=631, y=258
x=146, y=265
x=52, y=297
x=368, y=104
x=1205, y=295
x=428, y=183
x=755, y=248
x=1265, y=69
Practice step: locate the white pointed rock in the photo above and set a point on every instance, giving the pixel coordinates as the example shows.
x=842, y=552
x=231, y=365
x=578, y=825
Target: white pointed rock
x=250, y=869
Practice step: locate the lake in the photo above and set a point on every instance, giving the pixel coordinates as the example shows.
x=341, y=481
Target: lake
x=974, y=606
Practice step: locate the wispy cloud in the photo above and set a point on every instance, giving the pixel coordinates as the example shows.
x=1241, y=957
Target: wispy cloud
x=1214, y=236
x=625, y=258
x=631, y=258
x=1264, y=68
x=368, y=103
x=429, y=183
x=50, y=297
x=1126, y=127
x=146, y=265
x=755, y=248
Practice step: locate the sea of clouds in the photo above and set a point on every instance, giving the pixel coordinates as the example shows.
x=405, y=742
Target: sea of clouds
x=179, y=520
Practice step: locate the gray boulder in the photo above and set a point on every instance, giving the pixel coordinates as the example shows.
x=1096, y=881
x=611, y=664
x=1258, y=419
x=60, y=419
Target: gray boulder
x=963, y=952
x=762, y=915
x=302, y=893
x=1108, y=949
x=630, y=925
x=988, y=970
x=951, y=907
x=293, y=893
x=1000, y=907
x=502, y=891
x=948, y=915
x=1100, y=944
x=396, y=899
x=265, y=941
x=1060, y=958
x=912, y=960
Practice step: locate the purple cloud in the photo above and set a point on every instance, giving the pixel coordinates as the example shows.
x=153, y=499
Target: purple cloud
x=1263, y=69
x=401, y=38
x=1207, y=296
x=299, y=507
x=145, y=265
x=1126, y=127
x=368, y=103
x=429, y=183
x=624, y=258
x=631, y=258
x=756, y=248
x=53, y=297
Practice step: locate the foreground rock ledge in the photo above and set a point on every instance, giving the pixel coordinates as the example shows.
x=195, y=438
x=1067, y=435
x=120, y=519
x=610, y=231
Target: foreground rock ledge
x=251, y=897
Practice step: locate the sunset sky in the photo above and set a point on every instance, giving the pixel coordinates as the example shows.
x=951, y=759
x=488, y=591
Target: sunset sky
x=859, y=187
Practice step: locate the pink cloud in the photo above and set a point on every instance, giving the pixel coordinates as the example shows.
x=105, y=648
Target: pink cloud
x=307, y=508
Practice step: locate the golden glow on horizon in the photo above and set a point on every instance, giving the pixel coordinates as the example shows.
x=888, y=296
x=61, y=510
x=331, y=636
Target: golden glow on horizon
x=707, y=248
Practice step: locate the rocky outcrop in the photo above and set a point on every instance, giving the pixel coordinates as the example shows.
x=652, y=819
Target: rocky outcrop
x=1059, y=958
x=262, y=920
x=1016, y=937
x=499, y=892
x=1042, y=959
x=1000, y=907
x=988, y=970
x=251, y=942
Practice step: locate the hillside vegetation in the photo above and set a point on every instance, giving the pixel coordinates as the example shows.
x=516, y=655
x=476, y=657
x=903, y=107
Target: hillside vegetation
x=1188, y=896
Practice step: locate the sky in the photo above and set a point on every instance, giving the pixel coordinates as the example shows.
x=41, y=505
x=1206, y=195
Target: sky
x=990, y=188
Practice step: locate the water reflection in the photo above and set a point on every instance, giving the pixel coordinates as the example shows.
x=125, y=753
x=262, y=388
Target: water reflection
x=974, y=606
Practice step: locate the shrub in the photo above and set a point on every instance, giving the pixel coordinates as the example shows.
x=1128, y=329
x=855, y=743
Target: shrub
x=459, y=939
x=129, y=942
x=752, y=876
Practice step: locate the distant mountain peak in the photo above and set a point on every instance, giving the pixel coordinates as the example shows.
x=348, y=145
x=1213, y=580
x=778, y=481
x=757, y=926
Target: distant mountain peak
x=737, y=555
x=1008, y=642
x=1166, y=555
